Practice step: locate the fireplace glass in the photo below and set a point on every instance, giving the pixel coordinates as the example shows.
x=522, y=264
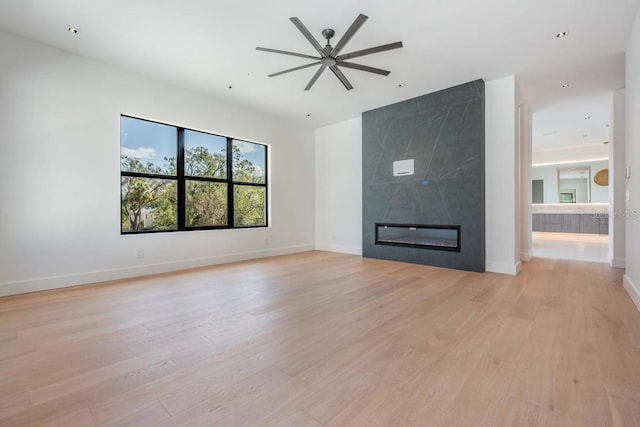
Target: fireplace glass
x=438, y=237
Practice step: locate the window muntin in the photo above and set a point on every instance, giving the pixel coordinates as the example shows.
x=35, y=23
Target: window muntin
x=176, y=179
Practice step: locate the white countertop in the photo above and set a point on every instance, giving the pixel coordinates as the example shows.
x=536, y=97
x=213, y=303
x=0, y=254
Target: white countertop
x=569, y=208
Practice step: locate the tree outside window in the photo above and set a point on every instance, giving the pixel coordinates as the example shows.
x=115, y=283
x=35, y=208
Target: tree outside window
x=180, y=179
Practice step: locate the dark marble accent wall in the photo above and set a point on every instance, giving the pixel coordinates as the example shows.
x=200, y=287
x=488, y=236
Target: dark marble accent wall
x=444, y=133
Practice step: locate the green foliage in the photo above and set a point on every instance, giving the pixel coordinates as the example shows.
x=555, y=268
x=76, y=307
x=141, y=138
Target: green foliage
x=165, y=206
x=140, y=196
x=150, y=197
x=249, y=206
x=200, y=162
x=131, y=164
x=206, y=202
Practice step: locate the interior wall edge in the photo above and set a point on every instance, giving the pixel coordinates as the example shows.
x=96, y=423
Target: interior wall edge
x=617, y=262
x=503, y=268
x=632, y=290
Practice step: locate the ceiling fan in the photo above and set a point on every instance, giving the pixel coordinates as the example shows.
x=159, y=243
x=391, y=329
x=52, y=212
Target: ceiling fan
x=329, y=55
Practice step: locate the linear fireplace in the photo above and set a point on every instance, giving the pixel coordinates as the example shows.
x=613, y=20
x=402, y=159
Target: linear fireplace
x=438, y=237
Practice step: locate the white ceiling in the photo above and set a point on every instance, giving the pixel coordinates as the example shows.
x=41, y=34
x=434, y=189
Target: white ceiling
x=578, y=122
x=209, y=45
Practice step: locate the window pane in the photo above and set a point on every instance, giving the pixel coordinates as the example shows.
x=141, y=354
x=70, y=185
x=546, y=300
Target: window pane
x=147, y=147
x=249, y=205
x=205, y=155
x=206, y=203
x=148, y=204
x=248, y=162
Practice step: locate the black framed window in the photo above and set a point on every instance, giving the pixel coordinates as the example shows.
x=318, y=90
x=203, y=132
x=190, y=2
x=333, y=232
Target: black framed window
x=176, y=179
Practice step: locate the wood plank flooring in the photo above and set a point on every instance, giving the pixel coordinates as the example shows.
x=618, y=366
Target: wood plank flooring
x=325, y=339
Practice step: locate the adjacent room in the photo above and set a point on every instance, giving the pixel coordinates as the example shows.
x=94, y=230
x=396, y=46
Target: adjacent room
x=572, y=146
x=319, y=214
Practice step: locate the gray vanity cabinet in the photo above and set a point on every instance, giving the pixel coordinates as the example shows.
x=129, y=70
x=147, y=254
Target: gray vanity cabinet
x=571, y=223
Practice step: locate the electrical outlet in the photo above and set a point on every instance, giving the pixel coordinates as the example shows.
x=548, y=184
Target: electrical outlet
x=266, y=241
x=140, y=254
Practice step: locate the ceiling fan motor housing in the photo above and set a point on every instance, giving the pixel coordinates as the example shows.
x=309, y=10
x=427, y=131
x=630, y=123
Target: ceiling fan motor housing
x=328, y=61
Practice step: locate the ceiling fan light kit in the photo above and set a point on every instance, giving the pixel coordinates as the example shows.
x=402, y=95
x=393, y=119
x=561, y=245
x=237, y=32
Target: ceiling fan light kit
x=330, y=56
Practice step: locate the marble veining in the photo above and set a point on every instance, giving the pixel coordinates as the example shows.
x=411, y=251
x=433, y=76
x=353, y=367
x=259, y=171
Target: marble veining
x=444, y=133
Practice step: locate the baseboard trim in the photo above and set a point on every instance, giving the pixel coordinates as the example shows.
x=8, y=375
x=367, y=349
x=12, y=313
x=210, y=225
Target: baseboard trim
x=525, y=256
x=503, y=268
x=353, y=250
x=617, y=262
x=632, y=290
x=49, y=283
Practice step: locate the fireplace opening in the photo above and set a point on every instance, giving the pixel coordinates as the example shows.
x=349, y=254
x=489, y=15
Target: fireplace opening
x=438, y=237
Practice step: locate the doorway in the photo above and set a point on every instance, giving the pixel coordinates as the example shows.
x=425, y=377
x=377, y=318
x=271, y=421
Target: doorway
x=569, y=207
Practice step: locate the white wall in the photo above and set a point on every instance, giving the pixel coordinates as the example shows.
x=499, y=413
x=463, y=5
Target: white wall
x=632, y=153
x=502, y=160
x=338, y=157
x=59, y=172
x=526, y=243
x=617, y=183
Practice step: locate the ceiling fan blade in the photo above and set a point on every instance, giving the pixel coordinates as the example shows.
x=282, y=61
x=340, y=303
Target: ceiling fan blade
x=363, y=68
x=369, y=51
x=315, y=76
x=284, y=52
x=341, y=77
x=305, y=32
x=350, y=32
x=294, y=69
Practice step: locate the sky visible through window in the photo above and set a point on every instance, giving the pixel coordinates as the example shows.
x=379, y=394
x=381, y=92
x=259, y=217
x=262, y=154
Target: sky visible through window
x=148, y=142
x=151, y=142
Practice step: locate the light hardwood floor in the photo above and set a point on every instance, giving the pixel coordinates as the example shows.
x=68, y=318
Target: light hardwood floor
x=323, y=339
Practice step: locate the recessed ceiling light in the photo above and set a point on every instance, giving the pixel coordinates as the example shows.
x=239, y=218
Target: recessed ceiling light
x=229, y=87
x=606, y=125
x=402, y=84
x=587, y=117
x=561, y=34
x=308, y=115
x=72, y=30
x=566, y=85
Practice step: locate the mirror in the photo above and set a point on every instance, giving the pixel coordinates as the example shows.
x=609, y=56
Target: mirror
x=568, y=183
x=573, y=183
